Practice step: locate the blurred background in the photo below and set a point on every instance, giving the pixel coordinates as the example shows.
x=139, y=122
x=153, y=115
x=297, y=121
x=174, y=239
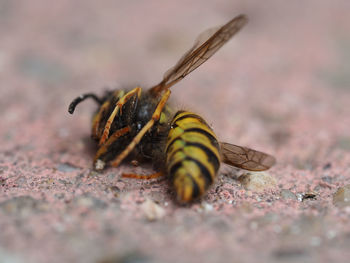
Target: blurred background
x=288, y=56
x=281, y=85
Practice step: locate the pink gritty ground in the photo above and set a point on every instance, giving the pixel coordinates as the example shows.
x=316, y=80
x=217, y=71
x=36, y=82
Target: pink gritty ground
x=281, y=85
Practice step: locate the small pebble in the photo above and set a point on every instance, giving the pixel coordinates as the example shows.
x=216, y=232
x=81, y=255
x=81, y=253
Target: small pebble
x=331, y=234
x=99, y=165
x=342, y=197
x=257, y=181
x=287, y=194
x=66, y=168
x=300, y=197
x=88, y=201
x=206, y=207
x=152, y=210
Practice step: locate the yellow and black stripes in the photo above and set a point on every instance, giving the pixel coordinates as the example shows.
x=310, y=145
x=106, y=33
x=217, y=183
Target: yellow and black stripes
x=192, y=155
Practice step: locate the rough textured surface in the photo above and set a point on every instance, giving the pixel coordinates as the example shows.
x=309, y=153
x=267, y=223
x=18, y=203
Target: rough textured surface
x=281, y=85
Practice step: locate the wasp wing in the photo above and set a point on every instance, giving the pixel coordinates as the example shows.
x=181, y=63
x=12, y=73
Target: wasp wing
x=204, y=47
x=246, y=158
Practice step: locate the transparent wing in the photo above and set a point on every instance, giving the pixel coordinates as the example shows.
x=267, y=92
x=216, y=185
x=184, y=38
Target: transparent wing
x=245, y=158
x=204, y=47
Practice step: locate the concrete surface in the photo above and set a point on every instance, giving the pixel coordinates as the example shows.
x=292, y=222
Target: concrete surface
x=281, y=86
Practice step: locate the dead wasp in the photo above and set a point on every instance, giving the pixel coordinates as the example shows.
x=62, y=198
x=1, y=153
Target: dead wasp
x=182, y=142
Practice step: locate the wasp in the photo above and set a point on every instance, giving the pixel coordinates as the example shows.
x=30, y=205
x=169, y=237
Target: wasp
x=180, y=143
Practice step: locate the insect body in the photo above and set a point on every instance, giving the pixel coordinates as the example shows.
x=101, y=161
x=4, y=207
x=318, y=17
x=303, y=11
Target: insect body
x=180, y=143
x=193, y=155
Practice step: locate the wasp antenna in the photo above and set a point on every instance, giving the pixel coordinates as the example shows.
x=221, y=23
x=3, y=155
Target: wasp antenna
x=81, y=98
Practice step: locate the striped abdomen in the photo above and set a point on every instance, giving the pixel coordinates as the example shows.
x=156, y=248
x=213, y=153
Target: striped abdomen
x=192, y=155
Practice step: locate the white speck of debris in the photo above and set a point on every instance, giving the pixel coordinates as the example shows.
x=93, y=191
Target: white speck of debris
x=206, y=207
x=315, y=241
x=152, y=210
x=99, y=164
x=331, y=234
x=299, y=197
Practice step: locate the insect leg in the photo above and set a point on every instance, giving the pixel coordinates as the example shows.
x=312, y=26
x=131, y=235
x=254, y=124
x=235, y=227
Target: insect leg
x=96, y=122
x=149, y=124
x=117, y=108
x=81, y=98
x=99, y=164
x=144, y=177
x=101, y=115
